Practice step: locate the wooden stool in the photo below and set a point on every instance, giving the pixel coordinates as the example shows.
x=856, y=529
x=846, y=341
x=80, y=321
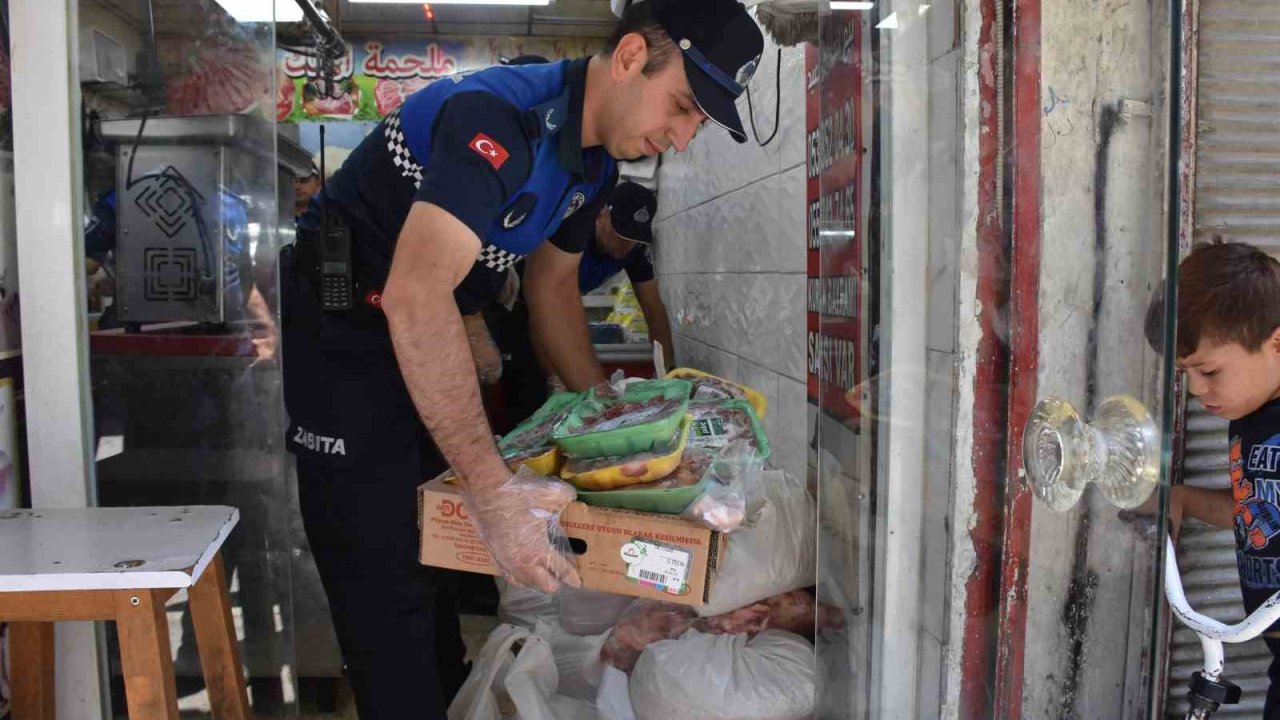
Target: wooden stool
x=121, y=565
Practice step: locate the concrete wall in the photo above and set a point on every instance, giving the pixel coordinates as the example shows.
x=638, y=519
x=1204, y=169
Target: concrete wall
x=731, y=254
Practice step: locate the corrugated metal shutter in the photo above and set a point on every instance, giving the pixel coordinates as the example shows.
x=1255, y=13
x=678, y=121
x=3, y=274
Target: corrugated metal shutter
x=1237, y=197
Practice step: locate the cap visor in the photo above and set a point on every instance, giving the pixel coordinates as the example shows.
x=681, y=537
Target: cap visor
x=714, y=101
x=639, y=238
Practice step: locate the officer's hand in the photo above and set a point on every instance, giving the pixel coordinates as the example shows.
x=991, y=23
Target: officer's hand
x=519, y=521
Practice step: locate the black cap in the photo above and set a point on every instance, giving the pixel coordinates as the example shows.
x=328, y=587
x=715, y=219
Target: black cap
x=631, y=210
x=721, y=46
x=526, y=60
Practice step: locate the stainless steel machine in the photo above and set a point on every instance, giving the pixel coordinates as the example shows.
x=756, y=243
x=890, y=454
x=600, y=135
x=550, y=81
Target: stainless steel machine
x=186, y=225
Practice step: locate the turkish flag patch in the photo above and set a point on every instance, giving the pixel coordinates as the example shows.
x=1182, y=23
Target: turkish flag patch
x=489, y=149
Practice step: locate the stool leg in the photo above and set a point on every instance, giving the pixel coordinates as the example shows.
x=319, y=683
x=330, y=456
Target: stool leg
x=145, y=655
x=216, y=640
x=31, y=649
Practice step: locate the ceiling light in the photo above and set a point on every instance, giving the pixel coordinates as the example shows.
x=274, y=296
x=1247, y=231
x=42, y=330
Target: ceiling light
x=851, y=5
x=251, y=11
x=452, y=2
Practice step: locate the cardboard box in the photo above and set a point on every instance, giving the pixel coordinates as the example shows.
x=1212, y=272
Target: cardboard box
x=661, y=557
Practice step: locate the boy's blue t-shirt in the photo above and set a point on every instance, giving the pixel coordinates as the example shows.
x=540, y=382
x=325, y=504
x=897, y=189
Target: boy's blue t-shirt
x=1255, y=485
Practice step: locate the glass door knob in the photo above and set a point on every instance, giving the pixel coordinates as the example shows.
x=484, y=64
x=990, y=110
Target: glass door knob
x=1119, y=452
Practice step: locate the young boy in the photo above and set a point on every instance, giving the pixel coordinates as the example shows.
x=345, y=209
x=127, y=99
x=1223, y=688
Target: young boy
x=1229, y=347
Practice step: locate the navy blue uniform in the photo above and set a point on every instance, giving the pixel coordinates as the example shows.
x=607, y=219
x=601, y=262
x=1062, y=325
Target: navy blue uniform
x=500, y=150
x=596, y=267
x=1255, y=486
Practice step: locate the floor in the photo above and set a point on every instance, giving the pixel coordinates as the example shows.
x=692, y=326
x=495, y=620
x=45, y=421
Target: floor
x=194, y=704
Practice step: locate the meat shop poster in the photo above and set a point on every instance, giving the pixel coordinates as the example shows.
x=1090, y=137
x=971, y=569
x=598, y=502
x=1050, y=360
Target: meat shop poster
x=833, y=93
x=375, y=77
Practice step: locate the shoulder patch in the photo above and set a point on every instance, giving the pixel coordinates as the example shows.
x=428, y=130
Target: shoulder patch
x=490, y=150
x=519, y=211
x=579, y=199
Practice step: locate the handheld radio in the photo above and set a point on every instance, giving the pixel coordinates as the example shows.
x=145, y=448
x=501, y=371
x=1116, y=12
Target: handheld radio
x=336, y=281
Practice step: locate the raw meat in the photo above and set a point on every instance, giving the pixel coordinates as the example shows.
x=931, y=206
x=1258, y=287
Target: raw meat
x=717, y=426
x=647, y=622
x=217, y=77
x=638, y=464
x=537, y=435
x=387, y=94
x=614, y=415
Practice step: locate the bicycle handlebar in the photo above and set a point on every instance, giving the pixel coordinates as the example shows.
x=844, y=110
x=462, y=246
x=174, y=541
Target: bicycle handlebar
x=1212, y=632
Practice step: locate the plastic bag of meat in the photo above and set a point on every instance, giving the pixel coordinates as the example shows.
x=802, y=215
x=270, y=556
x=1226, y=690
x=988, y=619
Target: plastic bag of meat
x=725, y=677
x=589, y=612
x=644, y=623
x=775, y=555
x=795, y=612
x=647, y=622
x=735, y=478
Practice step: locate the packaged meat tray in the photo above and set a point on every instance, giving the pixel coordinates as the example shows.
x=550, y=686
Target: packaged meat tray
x=642, y=418
x=718, y=424
x=668, y=496
x=542, y=460
x=607, y=473
x=536, y=431
x=709, y=388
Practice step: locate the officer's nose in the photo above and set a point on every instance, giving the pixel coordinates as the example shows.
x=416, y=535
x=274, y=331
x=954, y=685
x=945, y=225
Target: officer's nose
x=685, y=130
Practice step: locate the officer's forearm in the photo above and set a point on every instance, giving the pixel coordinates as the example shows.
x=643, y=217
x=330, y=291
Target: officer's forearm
x=435, y=360
x=660, y=331
x=558, y=323
x=433, y=254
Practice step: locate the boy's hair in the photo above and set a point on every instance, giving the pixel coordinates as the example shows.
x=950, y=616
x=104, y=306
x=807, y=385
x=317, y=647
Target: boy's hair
x=1228, y=292
x=638, y=18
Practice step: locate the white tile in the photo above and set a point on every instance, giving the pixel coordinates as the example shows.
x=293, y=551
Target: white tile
x=791, y=135
x=791, y=243
x=761, y=379
x=787, y=436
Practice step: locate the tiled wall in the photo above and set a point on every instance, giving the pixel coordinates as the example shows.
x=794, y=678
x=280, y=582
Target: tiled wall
x=731, y=253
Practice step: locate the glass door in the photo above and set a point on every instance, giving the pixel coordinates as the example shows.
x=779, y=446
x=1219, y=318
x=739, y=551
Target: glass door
x=991, y=226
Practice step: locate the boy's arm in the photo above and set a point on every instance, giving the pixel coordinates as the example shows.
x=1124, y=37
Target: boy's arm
x=1213, y=506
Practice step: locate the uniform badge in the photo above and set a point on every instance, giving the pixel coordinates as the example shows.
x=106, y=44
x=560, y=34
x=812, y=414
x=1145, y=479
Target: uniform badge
x=489, y=149
x=579, y=199
x=746, y=72
x=519, y=211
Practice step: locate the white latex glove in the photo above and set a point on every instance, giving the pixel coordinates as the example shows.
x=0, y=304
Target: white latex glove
x=519, y=521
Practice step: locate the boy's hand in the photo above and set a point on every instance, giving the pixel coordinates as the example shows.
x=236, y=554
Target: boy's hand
x=1148, y=509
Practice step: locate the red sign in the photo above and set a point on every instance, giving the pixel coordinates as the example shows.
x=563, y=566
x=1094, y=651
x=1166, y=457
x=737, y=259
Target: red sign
x=834, y=152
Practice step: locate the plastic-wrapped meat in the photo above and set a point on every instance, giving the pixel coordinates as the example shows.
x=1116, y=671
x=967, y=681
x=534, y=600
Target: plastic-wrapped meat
x=751, y=619
x=708, y=387
x=614, y=415
x=647, y=622
x=537, y=435
x=716, y=426
x=514, y=457
x=644, y=623
x=720, y=512
x=688, y=472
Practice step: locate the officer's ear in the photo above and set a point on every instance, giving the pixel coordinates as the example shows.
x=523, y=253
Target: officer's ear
x=629, y=57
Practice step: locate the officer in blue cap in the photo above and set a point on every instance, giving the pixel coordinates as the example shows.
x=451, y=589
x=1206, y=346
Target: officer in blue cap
x=419, y=227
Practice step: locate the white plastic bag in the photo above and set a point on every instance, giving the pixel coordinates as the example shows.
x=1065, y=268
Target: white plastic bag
x=589, y=612
x=613, y=702
x=507, y=683
x=523, y=606
x=725, y=677
x=577, y=660
x=775, y=555
x=483, y=694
